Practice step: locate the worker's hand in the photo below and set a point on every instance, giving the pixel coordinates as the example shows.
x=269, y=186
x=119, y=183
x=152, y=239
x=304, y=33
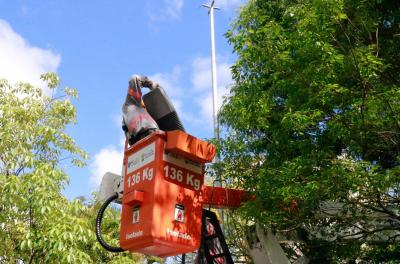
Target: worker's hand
x=146, y=82
x=139, y=81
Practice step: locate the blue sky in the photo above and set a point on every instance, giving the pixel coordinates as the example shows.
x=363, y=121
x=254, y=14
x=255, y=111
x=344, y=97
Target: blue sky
x=95, y=46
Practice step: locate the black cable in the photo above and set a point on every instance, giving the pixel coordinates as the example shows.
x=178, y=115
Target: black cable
x=99, y=218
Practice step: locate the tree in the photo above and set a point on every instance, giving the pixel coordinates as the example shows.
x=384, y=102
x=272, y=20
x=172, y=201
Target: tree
x=313, y=122
x=38, y=224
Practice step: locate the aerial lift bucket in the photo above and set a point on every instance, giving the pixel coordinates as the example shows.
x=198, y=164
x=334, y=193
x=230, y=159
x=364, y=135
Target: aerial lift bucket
x=163, y=194
x=161, y=204
x=162, y=189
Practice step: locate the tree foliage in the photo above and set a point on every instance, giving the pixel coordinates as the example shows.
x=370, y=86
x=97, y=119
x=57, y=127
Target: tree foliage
x=38, y=224
x=313, y=121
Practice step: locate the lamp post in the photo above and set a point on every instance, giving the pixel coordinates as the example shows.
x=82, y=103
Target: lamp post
x=211, y=8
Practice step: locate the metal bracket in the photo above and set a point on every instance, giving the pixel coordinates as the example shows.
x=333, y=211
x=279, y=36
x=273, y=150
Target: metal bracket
x=111, y=183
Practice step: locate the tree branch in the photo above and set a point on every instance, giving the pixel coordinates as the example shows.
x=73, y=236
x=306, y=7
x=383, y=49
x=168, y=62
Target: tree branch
x=379, y=201
x=32, y=256
x=377, y=42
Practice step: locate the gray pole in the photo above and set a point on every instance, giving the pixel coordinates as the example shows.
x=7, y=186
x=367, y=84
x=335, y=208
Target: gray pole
x=211, y=8
x=213, y=69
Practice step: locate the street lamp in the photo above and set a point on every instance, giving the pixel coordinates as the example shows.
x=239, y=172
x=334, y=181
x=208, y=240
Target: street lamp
x=211, y=8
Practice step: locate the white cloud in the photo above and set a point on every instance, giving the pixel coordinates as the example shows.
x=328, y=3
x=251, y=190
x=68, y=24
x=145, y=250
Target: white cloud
x=167, y=10
x=173, y=8
x=201, y=81
x=201, y=73
x=21, y=61
x=108, y=159
x=169, y=81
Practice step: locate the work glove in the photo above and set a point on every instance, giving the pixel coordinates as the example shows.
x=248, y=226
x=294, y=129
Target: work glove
x=146, y=82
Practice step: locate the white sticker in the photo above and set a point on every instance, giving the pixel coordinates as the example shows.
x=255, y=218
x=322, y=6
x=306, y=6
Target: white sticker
x=135, y=215
x=183, y=163
x=141, y=158
x=179, y=214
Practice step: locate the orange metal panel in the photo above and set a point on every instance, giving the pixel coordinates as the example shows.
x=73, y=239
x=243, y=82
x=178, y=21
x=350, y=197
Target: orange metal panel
x=189, y=146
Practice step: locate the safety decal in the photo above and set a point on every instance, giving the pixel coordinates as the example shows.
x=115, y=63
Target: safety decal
x=135, y=215
x=179, y=213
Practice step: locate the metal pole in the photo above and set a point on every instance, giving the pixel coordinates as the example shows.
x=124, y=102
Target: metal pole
x=211, y=8
x=214, y=73
x=213, y=70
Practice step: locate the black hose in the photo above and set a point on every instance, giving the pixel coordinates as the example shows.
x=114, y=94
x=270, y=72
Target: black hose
x=99, y=218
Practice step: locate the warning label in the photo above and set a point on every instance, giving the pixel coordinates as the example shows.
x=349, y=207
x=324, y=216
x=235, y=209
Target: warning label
x=135, y=215
x=179, y=214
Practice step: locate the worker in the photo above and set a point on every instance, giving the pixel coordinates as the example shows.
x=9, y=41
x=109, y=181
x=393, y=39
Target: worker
x=137, y=122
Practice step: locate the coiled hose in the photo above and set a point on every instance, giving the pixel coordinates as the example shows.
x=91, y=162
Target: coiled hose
x=99, y=218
